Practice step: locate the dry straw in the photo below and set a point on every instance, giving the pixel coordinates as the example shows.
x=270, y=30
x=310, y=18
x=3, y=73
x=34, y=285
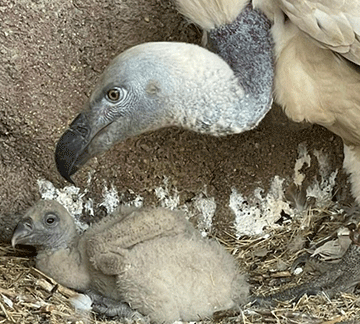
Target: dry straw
x=28, y=296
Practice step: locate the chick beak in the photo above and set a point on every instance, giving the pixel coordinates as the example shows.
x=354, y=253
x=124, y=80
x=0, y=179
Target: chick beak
x=22, y=232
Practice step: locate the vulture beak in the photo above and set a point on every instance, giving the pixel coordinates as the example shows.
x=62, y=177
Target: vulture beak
x=23, y=232
x=72, y=148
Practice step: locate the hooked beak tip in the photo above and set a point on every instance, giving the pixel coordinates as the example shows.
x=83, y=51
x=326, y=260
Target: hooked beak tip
x=71, y=150
x=13, y=242
x=22, y=231
x=63, y=163
x=64, y=172
x=68, y=179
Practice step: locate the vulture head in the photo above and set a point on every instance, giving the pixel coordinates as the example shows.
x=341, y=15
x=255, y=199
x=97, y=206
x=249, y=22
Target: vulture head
x=155, y=85
x=47, y=225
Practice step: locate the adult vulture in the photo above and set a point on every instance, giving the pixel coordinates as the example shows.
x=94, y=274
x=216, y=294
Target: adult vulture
x=155, y=85
x=317, y=79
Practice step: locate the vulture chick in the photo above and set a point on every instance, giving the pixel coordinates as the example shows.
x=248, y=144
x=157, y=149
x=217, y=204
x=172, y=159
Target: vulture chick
x=317, y=73
x=339, y=277
x=149, y=260
x=155, y=85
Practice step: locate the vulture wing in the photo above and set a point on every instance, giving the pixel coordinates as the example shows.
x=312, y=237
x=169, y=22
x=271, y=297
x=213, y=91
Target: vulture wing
x=109, y=241
x=334, y=24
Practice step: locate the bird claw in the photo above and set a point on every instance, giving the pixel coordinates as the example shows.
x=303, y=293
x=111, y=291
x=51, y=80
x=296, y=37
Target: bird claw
x=139, y=318
x=113, y=308
x=355, y=237
x=301, y=260
x=262, y=301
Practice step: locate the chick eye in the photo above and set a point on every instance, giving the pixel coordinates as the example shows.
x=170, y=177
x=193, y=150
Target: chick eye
x=113, y=95
x=51, y=219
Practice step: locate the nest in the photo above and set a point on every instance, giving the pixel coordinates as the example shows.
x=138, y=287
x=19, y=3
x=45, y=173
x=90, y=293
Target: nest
x=28, y=296
x=268, y=261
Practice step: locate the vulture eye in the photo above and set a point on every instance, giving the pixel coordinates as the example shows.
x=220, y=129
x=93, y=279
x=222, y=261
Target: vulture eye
x=51, y=219
x=113, y=95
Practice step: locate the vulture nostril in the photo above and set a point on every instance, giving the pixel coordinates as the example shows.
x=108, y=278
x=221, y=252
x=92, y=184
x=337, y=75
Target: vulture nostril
x=80, y=126
x=83, y=131
x=28, y=225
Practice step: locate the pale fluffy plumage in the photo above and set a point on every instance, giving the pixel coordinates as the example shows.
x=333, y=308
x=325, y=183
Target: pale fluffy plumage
x=334, y=25
x=152, y=259
x=313, y=80
x=210, y=14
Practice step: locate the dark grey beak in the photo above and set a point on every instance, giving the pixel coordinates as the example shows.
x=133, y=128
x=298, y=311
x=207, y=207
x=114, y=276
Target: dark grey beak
x=22, y=232
x=71, y=150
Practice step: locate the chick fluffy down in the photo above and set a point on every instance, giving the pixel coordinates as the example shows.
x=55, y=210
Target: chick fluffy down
x=181, y=278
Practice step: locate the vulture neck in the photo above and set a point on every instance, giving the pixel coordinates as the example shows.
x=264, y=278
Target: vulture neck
x=247, y=46
x=224, y=93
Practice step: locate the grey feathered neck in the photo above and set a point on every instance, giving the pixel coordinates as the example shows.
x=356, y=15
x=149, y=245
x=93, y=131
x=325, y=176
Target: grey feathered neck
x=246, y=45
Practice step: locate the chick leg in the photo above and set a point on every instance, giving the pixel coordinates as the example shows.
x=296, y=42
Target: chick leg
x=111, y=308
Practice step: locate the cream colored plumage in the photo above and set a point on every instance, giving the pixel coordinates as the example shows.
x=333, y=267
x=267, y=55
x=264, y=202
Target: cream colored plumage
x=317, y=73
x=317, y=57
x=211, y=14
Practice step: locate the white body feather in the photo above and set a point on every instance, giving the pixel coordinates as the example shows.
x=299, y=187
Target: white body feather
x=210, y=14
x=313, y=81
